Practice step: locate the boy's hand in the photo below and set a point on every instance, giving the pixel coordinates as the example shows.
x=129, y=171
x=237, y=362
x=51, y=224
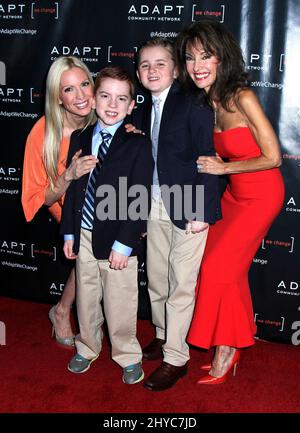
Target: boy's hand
x=131, y=128
x=68, y=250
x=196, y=227
x=117, y=261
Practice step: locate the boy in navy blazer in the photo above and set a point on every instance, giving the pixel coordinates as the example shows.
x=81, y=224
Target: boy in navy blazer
x=102, y=228
x=184, y=203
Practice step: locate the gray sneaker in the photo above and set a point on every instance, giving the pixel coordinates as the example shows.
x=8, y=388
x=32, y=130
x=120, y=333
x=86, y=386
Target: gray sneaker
x=79, y=364
x=133, y=374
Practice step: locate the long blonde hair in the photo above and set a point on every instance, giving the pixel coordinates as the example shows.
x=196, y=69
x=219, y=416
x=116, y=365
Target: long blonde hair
x=54, y=112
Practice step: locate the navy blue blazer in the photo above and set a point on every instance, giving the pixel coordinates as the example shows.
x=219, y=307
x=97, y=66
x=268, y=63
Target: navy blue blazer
x=129, y=155
x=186, y=132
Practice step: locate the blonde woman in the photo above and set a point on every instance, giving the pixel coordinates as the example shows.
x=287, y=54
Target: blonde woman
x=248, y=152
x=69, y=101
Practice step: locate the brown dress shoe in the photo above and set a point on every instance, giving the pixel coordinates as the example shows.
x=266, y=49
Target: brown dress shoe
x=165, y=376
x=154, y=350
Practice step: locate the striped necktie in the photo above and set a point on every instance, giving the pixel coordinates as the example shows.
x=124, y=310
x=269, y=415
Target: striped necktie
x=156, y=193
x=88, y=207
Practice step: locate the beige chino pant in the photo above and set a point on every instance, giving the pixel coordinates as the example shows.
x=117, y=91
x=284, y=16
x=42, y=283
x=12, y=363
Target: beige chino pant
x=118, y=289
x=173, y=262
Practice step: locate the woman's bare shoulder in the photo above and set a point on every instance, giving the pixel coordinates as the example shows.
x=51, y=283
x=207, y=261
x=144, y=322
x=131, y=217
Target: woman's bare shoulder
x=246, y=97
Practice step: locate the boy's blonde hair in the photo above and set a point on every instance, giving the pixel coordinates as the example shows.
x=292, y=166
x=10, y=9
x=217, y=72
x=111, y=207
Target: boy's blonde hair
x=156, y=42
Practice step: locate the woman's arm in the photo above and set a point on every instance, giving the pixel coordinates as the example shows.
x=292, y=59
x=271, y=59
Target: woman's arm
x=77, y=168
x=34, y=178
x=35, y=183
x=264, y=135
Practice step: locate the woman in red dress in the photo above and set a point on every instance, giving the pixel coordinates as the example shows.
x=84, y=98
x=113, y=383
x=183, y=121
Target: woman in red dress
x=248, y=153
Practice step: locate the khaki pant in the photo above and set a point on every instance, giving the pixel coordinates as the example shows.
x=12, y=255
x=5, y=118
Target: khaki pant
x=118, y=289
x=173, y=262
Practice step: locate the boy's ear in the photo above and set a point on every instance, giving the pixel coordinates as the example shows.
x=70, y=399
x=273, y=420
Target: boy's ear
x=131, y=107
x=138, y=75
x=94, y=103
x=175, y=72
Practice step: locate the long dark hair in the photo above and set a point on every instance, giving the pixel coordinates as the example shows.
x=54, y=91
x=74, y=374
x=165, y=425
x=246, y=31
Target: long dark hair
x=218, y=41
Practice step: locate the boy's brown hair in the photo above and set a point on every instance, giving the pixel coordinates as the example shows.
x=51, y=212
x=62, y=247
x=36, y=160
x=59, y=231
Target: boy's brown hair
x=116, y=73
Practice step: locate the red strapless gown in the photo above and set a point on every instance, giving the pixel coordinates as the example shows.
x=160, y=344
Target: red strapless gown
x=223, y=312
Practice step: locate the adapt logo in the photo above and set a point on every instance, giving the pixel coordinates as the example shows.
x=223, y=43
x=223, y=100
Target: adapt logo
x=11, y=94
x=26, y=12
x=9, y=180
x=288, y=288
x=29, y=250
x=259, y=62
x=291, y=205
x=12, y=10
x=12, y=247
x=139, y=99
x=199, y=12
x=9, y=173
x=56, y=288
x=156, y=12
x=85, y=53
x=264, y=61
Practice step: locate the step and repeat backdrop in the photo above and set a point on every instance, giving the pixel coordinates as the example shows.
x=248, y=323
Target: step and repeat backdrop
x=34, y=33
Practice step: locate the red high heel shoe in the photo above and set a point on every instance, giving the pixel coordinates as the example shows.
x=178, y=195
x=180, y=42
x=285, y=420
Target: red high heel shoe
x=206, y=367
x=211, y=380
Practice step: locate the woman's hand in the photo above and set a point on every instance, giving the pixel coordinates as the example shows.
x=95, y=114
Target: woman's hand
x=195, y=227
x=80, y=166
x=211, y=165
x=131, y=128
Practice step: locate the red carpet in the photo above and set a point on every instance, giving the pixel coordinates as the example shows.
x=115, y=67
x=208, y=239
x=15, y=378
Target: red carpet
x=34, y=377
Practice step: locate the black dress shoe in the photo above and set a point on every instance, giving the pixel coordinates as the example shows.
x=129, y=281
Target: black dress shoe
x=154, y=350
x=165, y=376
